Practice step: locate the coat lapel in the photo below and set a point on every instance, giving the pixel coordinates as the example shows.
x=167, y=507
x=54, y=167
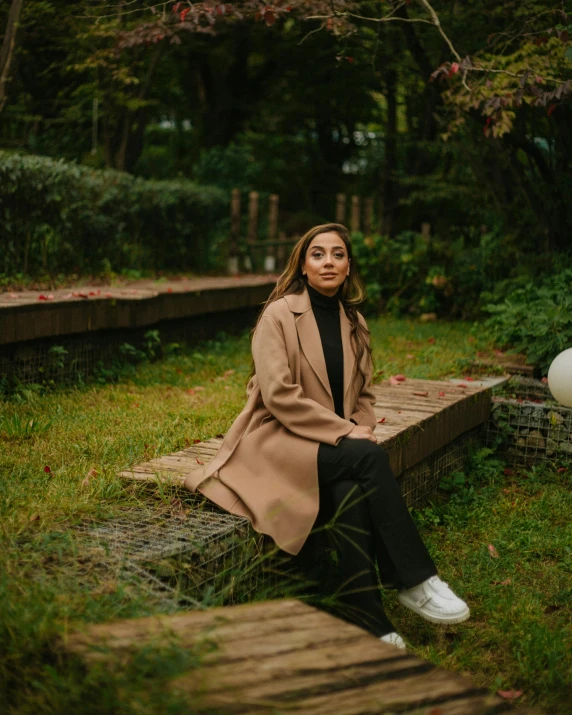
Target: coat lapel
x=311, y=342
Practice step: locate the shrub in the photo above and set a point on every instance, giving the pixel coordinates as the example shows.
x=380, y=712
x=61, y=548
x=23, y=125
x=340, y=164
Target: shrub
x=57, y=216
x=534, y=319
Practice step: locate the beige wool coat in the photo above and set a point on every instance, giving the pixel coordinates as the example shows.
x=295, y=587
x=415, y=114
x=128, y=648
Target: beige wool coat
x=267, y=468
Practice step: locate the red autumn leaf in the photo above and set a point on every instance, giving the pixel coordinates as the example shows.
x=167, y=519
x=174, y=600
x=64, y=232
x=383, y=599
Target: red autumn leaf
x=269, y=18
x=47, y=469
x=431, y=341
x=561, y=470
x=421, y=394
x=184, y=13
x=190, y=391
x=441, y=394
x=400, y=378
x=135, y=404
x=508, y=472
x=45, y=297
x=381, y=421
x=350, y=60
x=469, y=379
x=199, y=461
x=455, y=66
x=169, y=290
x=176, y=7
x=551, y=108
x=493, y=552
x=196, y=441
x=509, y=694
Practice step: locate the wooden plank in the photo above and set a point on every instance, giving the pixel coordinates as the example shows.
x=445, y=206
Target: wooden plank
x=413, y=428
x=286, y=655
x=26, y=318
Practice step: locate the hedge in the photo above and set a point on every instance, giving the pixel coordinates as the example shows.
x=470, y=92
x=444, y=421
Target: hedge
x=60, y=217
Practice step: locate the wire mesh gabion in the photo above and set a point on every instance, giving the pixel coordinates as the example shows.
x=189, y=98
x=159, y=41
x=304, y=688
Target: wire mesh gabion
x=180, y=557
x=527, y=426
x=422, y=479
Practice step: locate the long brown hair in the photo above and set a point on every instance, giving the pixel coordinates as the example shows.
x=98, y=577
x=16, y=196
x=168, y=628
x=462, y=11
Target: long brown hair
x=352, y=289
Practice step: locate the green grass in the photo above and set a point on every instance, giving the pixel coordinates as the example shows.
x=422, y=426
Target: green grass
x=516, y=639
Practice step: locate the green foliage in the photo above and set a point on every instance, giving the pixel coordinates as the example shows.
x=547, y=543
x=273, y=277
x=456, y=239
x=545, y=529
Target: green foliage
x=534, y=318
x=59, y=216
x=414, y=274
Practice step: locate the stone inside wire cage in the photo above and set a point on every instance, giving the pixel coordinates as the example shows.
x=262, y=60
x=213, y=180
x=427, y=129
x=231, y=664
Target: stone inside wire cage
x=179, y=557
x=527, y=426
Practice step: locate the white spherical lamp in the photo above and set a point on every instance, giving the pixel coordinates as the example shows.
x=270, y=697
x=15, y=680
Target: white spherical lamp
x=560, y=378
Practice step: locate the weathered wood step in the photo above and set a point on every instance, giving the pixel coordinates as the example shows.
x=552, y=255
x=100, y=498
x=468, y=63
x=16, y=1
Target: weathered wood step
x=414, y=426
x=280, y=656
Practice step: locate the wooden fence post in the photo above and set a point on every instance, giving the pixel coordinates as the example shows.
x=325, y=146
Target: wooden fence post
x=341, y=208
x=355, y=221
x=234, y=232
x=367, y=216
x=252, y=229
x=270, y=258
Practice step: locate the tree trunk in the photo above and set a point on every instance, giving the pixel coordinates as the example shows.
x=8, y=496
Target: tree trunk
x=7, y=49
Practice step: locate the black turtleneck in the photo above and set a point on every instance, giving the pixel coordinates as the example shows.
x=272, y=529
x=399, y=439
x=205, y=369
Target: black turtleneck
x=327, y=313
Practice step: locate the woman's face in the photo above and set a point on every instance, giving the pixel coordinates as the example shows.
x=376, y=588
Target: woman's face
x=327, y=263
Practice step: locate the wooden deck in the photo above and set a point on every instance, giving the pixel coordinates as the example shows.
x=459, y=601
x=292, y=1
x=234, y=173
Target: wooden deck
x=33, y=315
x=285, y=656
x=415, y=419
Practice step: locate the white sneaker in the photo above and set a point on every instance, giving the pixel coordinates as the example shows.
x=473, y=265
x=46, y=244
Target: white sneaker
x=393, y=639
x=434, y=600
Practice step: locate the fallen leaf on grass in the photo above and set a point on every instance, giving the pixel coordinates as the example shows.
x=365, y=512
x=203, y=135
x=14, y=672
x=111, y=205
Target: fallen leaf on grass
x=34, y=517
x=561, y=470
x=493, y=552
x=508, y=472
x=88, y=477
x=47, y=469
x=196, y=441
x=421, y=394
x=431, y=341
x=509, y=694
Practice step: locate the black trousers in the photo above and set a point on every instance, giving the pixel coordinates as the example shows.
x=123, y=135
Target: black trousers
x=371, y=525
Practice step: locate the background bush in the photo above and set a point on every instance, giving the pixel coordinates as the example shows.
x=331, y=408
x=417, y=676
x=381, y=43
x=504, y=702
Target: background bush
x=57, y=216
x=534, y=318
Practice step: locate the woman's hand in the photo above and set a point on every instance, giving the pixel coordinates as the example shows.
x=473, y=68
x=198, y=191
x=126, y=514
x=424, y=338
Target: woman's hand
x=362, y=433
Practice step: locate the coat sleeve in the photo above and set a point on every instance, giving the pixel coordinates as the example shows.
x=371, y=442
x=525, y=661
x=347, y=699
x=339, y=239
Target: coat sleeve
x=364, y=414
x=284, y=398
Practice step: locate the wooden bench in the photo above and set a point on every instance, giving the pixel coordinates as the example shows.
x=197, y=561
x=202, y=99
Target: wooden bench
x=426, y=427
x=417, y=419
x=285, y=656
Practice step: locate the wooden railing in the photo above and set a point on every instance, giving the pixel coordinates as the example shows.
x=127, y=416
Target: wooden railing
x=271, y=253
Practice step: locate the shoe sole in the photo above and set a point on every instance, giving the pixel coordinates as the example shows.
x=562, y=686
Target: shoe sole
x=435, y=618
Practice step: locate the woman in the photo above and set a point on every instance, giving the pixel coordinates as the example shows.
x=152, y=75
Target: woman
x=305, y=438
